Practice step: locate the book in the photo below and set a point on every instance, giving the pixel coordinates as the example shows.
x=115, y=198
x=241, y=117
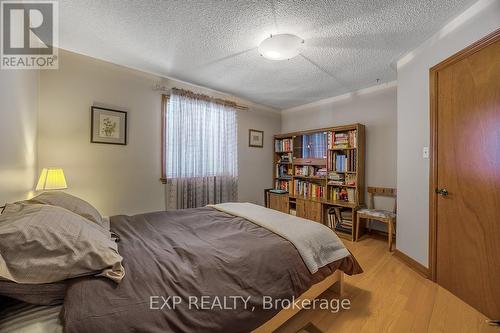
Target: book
x=351, y=195
x=308, y=189
x=343, y=220
x=283, y=171
x=282, y=185
x=282, y=145
x=341, y=194
x=343, y=140
x=350, y=179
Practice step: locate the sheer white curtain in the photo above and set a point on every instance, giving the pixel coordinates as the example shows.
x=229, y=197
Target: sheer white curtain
x=201, y=164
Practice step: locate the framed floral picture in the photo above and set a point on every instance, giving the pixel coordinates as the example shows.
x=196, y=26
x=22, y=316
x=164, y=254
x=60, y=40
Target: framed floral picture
x=108, y=126
x=256, y=138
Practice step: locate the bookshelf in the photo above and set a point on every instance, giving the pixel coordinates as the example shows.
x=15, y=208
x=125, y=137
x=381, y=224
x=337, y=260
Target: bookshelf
x=322, y=171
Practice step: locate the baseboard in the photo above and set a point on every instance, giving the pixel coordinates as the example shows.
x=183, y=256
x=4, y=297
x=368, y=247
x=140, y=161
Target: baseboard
x=415, y=265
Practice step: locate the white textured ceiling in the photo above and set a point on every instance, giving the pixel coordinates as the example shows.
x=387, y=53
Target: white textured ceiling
x=348, y=44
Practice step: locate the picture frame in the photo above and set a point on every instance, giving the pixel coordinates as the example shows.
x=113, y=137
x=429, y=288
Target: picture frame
x=255, y=138
x=108, y=126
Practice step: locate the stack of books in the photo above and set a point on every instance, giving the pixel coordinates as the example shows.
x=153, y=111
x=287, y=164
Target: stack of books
x=320, y=172
x=335, y=178
x=342, y=140
x=336, y=182
x=340, y=220
x=332, y=175
x=344, y=221
x=305, y=170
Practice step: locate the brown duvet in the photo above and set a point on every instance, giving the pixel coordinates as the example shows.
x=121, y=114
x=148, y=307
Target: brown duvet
x=187, y=254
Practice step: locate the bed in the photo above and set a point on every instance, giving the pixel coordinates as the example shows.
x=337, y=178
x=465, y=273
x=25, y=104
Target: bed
x=176, y=261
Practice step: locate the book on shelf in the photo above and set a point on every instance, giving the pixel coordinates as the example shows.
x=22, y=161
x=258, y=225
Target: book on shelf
x=342, y=194
x=350, y=179
x=310, y=171
x=285, y=158
x=321, y=172
x=342, y=161
x=283, y=171
x=344, y=223
x=332, y=175
x=331, y=218
x=336, y=182
x=351, y=195
x=340, y=220
x=342, y=140
x=341, y=179
x=308, y=189
x=282, y=145
x=304, y=170
x=282, y=185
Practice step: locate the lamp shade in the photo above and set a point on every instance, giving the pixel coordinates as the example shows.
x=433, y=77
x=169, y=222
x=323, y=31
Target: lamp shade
x=51, y=179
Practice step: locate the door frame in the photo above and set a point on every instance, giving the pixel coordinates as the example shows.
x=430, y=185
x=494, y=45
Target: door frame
x=433, y=79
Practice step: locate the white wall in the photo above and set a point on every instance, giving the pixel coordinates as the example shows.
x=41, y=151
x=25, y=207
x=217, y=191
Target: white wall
x=18, y=133
x=413, y=120
x=374, y=107
x=125, y=179
x=256, y=164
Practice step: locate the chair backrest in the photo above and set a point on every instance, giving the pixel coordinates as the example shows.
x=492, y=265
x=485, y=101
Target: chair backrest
x=383, y=192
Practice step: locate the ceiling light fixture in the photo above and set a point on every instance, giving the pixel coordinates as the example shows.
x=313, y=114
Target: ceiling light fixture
x=281, y=47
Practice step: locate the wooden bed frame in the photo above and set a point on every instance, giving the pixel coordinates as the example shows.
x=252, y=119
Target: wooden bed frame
x=333, y=282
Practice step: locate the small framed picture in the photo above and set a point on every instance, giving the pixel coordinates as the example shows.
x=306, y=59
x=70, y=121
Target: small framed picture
x=256, y=138
x=108, y=126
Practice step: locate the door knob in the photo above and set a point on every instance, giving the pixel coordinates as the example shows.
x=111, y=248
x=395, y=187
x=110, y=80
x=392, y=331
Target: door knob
x=442, y=191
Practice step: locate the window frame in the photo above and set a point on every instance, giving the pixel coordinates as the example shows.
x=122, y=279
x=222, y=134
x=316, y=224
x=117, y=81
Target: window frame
x=164, y=103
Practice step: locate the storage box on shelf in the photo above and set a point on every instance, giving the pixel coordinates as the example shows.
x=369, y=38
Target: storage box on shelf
x=323, y=172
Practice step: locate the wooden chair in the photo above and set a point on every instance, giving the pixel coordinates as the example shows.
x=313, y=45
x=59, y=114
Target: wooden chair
x=384, y=216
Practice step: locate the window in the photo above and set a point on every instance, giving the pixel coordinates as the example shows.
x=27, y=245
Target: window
x=199, y=148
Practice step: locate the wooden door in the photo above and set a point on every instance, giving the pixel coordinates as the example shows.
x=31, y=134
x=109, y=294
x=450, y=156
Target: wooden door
x=466, y=173
x=283, y=204
x=279, y=202
x=301, y=208
x=274, y=201
x=314, y=211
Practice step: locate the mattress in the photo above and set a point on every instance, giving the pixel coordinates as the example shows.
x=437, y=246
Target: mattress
x=27, y=318
x=216, y=267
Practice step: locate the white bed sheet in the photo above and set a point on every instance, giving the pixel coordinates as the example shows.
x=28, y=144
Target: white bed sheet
x=28, y=318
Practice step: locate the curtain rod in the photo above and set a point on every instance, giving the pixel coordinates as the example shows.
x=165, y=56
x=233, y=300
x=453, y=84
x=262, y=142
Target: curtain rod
x=221, y=101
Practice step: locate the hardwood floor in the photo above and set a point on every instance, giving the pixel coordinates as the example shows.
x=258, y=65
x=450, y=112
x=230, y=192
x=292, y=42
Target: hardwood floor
x=391, y=297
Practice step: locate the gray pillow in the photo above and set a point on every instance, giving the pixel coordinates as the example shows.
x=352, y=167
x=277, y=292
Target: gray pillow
x=71, y=203
x=45, y=244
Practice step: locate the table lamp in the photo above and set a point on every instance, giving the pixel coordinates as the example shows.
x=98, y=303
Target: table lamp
x=51, y=179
